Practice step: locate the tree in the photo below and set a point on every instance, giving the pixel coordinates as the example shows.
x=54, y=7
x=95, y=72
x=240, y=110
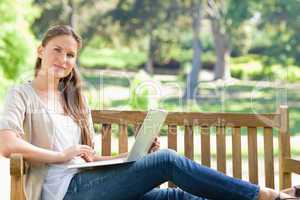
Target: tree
x=280, y=19
x=154, y=19
x=89, y=18
x=16, y=40
x=227, y=18
x=195, y=7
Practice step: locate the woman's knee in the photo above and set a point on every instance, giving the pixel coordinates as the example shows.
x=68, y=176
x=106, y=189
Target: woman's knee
x=168, y=155
x=167, y=152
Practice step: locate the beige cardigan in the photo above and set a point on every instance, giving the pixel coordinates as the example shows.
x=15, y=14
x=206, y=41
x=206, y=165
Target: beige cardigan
x=23, y=113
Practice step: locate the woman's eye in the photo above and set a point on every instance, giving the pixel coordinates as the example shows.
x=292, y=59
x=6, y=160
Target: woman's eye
x=70, y=55
x=57, y=50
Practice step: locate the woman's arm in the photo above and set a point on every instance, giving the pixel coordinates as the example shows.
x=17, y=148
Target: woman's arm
x=96, y=157
x=11, y=143
x=154, y=147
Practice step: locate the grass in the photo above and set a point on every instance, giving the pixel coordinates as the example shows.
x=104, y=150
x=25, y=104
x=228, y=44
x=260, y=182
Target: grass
x=252, y=67
x=112, y=58
x=241, y=98
x=96, y=80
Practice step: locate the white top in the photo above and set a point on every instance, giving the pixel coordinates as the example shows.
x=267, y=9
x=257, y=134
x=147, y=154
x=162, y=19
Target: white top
x=66, y=134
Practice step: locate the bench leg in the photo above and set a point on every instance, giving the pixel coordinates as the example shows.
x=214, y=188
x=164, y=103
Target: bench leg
x=16, y=191
x=17, y=177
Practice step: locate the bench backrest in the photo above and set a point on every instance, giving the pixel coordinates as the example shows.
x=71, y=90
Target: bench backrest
x=222, y=123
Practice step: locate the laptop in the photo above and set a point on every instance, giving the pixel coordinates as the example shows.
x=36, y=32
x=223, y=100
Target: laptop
x=145, y=137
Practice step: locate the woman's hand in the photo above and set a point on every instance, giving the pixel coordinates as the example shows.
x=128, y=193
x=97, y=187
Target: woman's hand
x=90, y=157
x=155, y=145
x=84, y=151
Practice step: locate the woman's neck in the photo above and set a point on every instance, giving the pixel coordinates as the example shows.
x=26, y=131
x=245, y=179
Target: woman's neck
x=48, y=92
x=45, y=83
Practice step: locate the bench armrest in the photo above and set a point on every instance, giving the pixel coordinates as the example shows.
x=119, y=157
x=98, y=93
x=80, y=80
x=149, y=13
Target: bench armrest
x=17, y=165
x=291, y=165
x=17, y=172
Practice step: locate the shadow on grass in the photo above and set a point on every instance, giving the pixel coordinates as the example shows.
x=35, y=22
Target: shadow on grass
x=96, y=81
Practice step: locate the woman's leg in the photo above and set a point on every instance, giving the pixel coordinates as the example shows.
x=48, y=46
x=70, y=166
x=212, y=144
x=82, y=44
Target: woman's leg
x=169, y=194
x=200, y=180
x=132, y=181
x=119, y=183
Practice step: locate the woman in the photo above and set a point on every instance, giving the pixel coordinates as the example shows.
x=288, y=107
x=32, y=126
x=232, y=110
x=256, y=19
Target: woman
x=52, y=112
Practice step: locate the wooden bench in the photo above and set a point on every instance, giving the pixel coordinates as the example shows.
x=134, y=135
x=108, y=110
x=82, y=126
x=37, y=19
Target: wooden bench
x=206, y=122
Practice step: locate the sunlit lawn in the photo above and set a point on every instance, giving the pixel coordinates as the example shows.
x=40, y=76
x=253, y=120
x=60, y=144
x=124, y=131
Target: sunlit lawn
x=212, y=98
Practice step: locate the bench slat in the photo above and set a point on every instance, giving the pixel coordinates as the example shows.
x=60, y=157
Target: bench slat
x=252, y=155
x=291, y=165
x=189, y=142
x=236, y=153
x=191, y=118
x=269, y=157
x=123, y=138
x=285, y=179
x=172, y=144
x=205, y=146
x=106, y=139
x=172, y=137
x=221, y=149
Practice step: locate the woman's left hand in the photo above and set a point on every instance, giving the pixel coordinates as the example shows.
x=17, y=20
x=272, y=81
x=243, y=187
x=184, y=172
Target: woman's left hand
x=93, y=157
x=89, y=157
x=155, y=145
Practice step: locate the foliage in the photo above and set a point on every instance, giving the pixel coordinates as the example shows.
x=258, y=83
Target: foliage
x=255, y=67
x=281, y=20
x=152, y=20
x=88, y=18
x=94, y=98
x=262, y=27
x=144, y=92
x=16, y=40
x=4, y=85
x=112, y=58
x=139, y=18
x=139, y=95
x=233, y=18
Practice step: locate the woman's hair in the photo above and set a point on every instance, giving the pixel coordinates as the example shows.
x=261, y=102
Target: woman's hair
x=70, y=86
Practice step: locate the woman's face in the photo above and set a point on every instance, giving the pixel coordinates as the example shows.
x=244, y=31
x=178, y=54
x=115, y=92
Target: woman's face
x=58, y=56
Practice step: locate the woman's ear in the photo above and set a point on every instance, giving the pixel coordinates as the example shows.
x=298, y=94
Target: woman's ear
x=40, y=51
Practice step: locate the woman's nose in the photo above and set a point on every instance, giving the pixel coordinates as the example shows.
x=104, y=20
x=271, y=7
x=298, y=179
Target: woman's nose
x=62, y=58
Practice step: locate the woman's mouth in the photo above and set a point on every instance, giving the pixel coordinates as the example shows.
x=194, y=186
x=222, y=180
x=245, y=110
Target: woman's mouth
x=58, y=66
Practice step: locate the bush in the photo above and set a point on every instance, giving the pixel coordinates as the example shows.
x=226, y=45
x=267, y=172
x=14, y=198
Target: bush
x=254, y=67
x=293, y=73
x=142, y=96
x=139, y=95
x=247, y=67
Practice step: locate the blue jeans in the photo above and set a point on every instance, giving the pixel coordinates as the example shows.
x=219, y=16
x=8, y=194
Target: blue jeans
x=138, y=181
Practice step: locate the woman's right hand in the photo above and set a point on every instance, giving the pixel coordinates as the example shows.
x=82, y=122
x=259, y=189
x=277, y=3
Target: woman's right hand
x=76, y=150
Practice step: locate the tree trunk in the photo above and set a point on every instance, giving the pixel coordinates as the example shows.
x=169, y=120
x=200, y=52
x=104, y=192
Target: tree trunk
x=71, y=14
x=222, y=68
x=192, y=79
x=149, y=67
